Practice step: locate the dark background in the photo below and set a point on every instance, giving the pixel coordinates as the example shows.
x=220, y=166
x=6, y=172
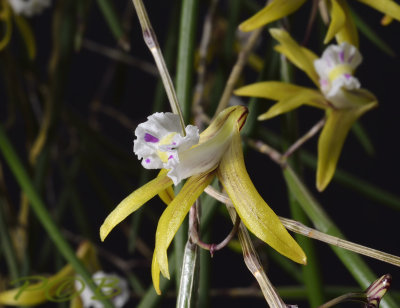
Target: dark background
x=131, y=92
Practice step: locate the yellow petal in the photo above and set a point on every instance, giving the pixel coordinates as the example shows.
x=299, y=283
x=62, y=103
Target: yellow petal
x=388, y=7
x=134, y=201
x=386, y=20
x=252, y=209
x=299, y=56
x=290, y=96
x=306, y=97
x=273, y=11
x=155, y=274
x=348, y=33
x=273, y=90
x=27, y=35
x=332, y=138
x=167, y=194
x=338, y=19
x=37, y=293
x=174, y=215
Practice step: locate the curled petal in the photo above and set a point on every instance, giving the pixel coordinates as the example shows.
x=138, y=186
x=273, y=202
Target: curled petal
x=133, y=202
x=299, y=56
x=36, y=293
x=155, y=274
x=173, y=216
x=252, y=209
x=206, y=156
x=334, y=134
x=273, y=11
x=338, y=20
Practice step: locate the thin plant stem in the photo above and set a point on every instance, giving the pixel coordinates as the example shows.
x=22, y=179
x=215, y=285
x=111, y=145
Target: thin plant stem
x=253, y=263
x=41, y=212
x=202, y=67
x=151, y=41
x=353, y=262
x=300, y=228
x=185, y=60
x=307, y=136
x=237, y=70
x=120, y=56
x=195, y=237
x=189, y=279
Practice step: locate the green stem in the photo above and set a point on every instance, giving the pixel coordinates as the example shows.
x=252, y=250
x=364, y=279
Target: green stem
x=353, y=262
x=7, y=247
x=311, y=272
x=184, y=70
x=41, y=212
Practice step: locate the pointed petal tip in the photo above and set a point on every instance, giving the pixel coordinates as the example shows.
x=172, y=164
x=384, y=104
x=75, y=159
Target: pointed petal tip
x=103, y=233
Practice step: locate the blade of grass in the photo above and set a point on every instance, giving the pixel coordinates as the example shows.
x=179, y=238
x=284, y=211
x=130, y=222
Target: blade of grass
x=113, y=21
x=41, y=212
x=7, y=247
x=353, y=262
x=348, y=180
x=362, y=137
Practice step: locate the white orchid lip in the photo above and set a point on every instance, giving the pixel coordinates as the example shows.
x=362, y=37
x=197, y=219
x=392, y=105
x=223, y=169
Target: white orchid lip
x=335, y=69
x=160, y=143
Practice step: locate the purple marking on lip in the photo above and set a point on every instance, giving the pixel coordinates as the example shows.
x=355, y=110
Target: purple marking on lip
x=341, y=56
x=150, y=138
x=170, y=157
x=347, y=76
x=147, y=160
x=173, y=143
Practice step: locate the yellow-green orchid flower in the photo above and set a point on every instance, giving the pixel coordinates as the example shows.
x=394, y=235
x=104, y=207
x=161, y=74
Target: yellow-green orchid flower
x=218, y=152
x=339, y=94
x=341, y=25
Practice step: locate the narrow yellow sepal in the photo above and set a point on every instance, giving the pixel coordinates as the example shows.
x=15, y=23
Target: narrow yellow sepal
x=133, y=202
x=334, y=133
x=273, y=11
x=168, y=194
x=255, y=213
x=338, y=19
x=173, y=216
x=388, y=7
x=155, y=274
x=348, y=33
x=289, y=96
x=299, y=56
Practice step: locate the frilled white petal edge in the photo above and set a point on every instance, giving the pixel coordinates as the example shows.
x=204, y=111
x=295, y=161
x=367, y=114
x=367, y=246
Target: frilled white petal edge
x=159, y=141
x=29, y=7
x=335, y=69
x=111, y=285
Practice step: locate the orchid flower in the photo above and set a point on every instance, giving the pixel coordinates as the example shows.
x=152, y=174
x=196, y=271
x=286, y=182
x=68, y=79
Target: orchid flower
x=339, y=94
x=218, y=152
x=341, y=25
